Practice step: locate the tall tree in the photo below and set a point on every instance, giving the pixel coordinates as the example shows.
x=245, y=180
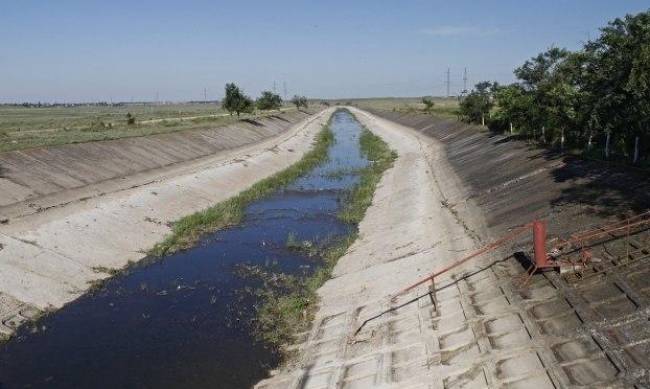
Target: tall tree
x=235, y=101
x=269, y=100
x=476, y=106
x=617, y=81
x=299, y=101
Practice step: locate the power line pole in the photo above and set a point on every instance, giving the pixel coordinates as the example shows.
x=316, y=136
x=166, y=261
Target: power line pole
x=448, y=81
x=465, y=81
x=205, y=95
x=284, y=87
x=275, y=89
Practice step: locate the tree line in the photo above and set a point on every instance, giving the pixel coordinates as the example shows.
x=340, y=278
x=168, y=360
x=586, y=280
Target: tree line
x=595, y=100
x=237, y=102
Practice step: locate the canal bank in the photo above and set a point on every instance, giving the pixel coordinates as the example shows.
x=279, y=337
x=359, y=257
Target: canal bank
x=456, y=332
x=189, y=320
x=51, y=257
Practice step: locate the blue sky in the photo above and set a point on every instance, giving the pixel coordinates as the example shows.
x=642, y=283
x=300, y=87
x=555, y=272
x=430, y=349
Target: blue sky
x=122, y=50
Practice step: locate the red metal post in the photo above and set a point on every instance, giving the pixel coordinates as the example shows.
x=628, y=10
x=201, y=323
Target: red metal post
x=539, y=243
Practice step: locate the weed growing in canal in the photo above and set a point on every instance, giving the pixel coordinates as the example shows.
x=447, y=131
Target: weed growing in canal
x=305, y=246
x=187, y=231
x=381, y=157
x=289, y=306
x=289, y=310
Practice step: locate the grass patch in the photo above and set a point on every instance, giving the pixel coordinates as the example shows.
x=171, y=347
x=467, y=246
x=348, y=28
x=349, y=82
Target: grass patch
x=26, y=128
x=289, y=309
x=187, y=231
x=381, y=157
x=289, y=306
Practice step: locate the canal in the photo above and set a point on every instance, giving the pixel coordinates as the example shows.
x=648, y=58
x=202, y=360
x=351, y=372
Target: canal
x=186, y=320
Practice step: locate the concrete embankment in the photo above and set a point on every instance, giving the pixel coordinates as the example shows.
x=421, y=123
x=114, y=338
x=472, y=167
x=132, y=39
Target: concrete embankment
x=40, y=178
x=454, y=188
x=90, y=223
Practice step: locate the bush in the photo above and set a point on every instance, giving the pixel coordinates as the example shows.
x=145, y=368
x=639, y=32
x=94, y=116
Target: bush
x=130, y=119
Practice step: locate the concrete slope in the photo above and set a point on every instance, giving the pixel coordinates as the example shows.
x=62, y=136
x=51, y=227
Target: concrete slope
x=51, y=257
x=456, y=187
x=40, y=178
x=430, y=338
x=591, y=325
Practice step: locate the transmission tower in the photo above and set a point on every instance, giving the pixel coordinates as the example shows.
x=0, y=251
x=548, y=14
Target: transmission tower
x=465, y=81
x=448, y=82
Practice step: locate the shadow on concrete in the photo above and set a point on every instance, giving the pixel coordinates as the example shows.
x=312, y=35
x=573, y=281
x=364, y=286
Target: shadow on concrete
x=568, y=182
x=278, y=118
x=429, y=295
x=253, y=122
x=611, y=190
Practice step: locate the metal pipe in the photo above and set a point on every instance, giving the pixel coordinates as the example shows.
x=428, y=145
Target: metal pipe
x=539, y=243
x=513, y=234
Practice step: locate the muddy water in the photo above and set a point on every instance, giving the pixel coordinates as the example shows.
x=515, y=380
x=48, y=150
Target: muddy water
x=184, y=321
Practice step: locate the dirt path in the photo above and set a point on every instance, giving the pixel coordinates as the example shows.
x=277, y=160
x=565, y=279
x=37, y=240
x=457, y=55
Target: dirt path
x=459, y=332
x=51, y=257
x=217, y=115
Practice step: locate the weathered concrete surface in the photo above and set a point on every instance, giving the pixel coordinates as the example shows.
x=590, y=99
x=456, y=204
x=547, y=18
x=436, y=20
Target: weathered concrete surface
x=40, y=178
x=433, y=342
x=593, y=326
x=50, y=257
x=453, y=188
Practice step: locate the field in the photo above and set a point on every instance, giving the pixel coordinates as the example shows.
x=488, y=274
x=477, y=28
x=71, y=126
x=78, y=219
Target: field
x=22, y=127
x=28, y=127
x=444, y=106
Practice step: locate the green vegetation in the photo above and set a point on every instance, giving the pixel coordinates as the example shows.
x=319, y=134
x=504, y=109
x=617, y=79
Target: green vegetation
x=28, y=127
x=381, y=157
x=289, y=308
x=477, y=105
x=186, y=231
x=428, y=104
x=290, y=303
x=299, y=101
x=235, y=101
x=595, y=100
x=269, y=101
x=24, y=126
x=307, y=247
x=442, y=106
x=130, y=119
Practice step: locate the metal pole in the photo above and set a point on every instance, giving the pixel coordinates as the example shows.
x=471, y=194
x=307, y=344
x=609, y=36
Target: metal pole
x=539, y=243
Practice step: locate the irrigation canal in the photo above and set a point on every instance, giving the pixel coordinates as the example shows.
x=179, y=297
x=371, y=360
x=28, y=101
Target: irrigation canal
x=186, y=320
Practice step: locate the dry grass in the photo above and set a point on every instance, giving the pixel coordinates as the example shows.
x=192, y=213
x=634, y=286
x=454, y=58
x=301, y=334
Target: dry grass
x=443, y=106
x=23, y=128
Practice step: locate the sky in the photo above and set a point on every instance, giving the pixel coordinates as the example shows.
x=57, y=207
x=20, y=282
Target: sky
x=78, y=51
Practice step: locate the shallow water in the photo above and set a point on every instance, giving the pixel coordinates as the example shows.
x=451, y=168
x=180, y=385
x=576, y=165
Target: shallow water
x=183, y=321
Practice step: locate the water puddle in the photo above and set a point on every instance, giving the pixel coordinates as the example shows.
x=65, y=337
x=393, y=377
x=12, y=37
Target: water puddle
x=184, y=321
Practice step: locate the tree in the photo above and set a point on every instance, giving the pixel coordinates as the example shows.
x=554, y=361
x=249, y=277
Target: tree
x=513, y=105
x=235, y=101
x=268, y=101
x=478, y=103
x=601, y=92
x=299, y=101
x=616, y=82
x=428, y=103
x=130, y=119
